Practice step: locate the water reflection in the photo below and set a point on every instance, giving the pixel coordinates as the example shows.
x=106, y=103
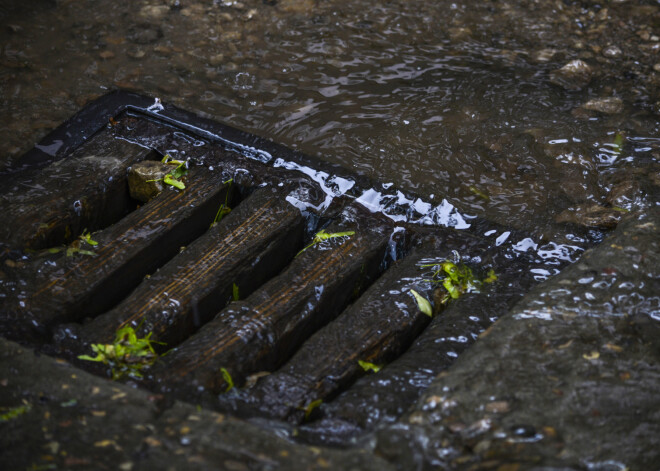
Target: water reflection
x=451, y=101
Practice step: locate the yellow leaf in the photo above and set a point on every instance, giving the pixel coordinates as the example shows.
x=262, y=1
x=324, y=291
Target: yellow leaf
x=423, y=304
x=591, y=356
x=367, y=366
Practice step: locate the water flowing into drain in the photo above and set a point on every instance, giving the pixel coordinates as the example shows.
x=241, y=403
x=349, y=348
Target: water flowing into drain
x=305, y=302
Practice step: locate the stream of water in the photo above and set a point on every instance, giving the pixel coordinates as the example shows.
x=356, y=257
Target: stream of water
x=447, y=100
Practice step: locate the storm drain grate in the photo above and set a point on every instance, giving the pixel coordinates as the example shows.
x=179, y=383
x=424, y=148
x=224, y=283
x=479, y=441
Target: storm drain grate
x=255, y=315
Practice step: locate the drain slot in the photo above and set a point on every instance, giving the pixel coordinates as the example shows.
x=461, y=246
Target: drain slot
x=262, y=331
x=68, y=288
x=87, y=190
x=174, y=302
x=376, y=329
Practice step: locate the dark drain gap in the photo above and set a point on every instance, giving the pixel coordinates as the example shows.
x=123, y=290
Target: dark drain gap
x=77, y=285
x=375, y=400
x=85, y=191
x=264, y=330
x=250, y=245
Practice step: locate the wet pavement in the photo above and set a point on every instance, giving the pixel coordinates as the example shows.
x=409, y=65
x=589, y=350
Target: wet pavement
x=567, y=385
x=505, y=108
x=540, y=117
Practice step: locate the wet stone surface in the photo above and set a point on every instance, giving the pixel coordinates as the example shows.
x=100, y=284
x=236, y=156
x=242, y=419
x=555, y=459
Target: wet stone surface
x=568, y=379
x=73, y=420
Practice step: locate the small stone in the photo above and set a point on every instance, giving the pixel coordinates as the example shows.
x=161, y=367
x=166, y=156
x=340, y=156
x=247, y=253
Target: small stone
x=608, y=105
x=612, y=52
x=154, y=12
x=139, y=176
x=573, y=76
x=656, y=67
x=460, y=34
x=499, y=407
x=645, y=35
x=105, y=55
x=544, y=55
x=591, y=216
x=624, y=193
x=163, y=50
x=136, y=53
x=216, y=60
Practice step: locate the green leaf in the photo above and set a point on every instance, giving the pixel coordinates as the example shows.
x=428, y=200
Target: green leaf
x=127, y=355
x=14, y=412
x=322, y=235
x=451, y=288
x=234, y=292
x=224, y=208
x=423, y=304
x=311, y=406
x=367, y=366
x=479, y=193
x=71, y=251
x=170, y=180
x=87, y=237
x=227, y=377
x=98, y=357
x=490, y=276
x=618, y=142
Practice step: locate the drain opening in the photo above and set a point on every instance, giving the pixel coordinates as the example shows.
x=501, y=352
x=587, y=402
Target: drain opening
x=304, y=320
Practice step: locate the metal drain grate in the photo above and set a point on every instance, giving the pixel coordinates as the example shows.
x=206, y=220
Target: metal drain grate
x=249, y=298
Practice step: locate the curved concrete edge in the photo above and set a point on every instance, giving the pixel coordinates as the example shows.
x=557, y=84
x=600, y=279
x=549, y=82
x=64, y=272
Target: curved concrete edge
x=568, y=379
x=55, y=416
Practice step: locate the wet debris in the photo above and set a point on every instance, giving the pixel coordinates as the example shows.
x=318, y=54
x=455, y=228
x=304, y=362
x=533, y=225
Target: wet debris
x=145, y=179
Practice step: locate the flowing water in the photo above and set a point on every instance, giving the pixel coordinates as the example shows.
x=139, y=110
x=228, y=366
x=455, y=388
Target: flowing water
x=449, y=100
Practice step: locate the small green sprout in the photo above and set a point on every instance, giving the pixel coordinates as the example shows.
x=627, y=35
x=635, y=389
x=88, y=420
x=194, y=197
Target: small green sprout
x=127, y=355
x=234, y=292
x=456, y=278
x=13, y=412
x=322, y=235
x=228, y=379
x=71, y=251
x=224, y=208
x=309, y=408
x=491, y=277
x=367, y=366
x=173, y=178
x=423, y=303
x=87, y=237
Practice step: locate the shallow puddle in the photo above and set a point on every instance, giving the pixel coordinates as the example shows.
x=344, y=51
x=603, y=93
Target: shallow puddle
x=457, y=101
